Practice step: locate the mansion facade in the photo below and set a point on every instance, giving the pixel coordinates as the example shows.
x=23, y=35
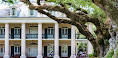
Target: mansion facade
x=30, y=34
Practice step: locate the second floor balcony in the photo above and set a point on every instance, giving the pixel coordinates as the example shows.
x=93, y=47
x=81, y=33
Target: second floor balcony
x=65, y=36
x=31, y=36
x=48, y=36
x=35, y=36
x=14, y=36
x=44, y=36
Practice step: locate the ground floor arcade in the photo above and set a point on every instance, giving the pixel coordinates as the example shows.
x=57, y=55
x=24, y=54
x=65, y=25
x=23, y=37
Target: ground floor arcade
x=47, y=48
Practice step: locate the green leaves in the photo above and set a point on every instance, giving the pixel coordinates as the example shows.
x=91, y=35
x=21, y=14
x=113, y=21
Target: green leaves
x=88, y=5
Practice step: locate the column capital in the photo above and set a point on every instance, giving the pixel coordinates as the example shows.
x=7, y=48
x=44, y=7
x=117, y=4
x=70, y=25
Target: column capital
x=56, y=23
x=23, y=23
x=39, y=23
x=6, y=23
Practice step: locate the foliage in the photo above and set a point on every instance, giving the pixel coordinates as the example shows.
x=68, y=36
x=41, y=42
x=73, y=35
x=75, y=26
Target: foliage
x=82, y=36
x=89, y=6
x=82, y=46
x=110, y=54
x=92, y=56
x=85, y=5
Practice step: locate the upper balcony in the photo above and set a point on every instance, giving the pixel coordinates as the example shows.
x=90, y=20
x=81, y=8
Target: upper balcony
x=14, y=36
x=48, y=31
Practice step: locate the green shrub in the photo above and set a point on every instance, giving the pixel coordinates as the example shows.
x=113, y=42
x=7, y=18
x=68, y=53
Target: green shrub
x=110, y=53
x=90, y=55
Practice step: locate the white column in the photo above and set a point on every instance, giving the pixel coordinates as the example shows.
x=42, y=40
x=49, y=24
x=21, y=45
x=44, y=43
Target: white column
x=56, y=42
x=73, y=42
x=6, y=41
x=23, y=43
x=90, y=47
x=40, y=41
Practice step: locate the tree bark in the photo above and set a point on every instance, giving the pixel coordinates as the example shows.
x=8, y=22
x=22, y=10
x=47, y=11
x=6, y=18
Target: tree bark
x=74, y=19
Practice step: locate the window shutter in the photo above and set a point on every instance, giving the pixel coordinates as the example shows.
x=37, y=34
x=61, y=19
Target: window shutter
x=20, y=33
x=69, y=33
x=20, y=50
x=45, y=51
x=69, y=51
x=12, y=50
x=45, y=33
x=12, y=33
x=60, y=33
x=60, y=51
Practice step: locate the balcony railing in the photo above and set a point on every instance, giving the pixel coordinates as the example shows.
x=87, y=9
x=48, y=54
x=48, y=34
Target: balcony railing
x=15, y=36
x=80, y=36
x=31, y=36
x=2, y=36
x=48, y=36
x=65, y=36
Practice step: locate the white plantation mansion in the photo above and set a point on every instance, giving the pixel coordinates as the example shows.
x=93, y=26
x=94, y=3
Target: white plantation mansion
x=34, y=35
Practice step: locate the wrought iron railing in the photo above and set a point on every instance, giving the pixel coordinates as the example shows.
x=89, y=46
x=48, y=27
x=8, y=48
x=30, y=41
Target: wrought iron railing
x=31, y=36
x=48, y=36
x=17, y=36
x=65, y=36
x=14, y=36
x=2, y=35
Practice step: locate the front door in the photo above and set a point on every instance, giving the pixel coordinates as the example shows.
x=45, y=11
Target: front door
x=64, y=50
x=33, y=51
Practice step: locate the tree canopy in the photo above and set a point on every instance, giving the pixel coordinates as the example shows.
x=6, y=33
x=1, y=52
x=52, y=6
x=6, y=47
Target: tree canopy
x=80, y=12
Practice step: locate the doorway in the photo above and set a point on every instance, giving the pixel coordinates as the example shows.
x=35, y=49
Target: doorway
x=33, y=51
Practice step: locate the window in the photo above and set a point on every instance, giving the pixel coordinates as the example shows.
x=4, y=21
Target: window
x=50, y=31
x=17, y=31
x=17, y=49
x=2, y=30
x=64, y=31
x=13, y=11
x=64, y=48
x=31, y=12
x=1, y=49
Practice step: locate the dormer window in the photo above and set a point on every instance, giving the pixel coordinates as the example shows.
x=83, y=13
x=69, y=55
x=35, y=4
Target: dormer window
x=13, y=11
x=31, y=13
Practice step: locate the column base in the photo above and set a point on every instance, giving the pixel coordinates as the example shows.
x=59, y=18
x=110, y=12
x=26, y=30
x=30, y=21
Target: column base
x=72, y=56
x=39, y=56
x=56, y=56
x=6, y=56
x=22, y=56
